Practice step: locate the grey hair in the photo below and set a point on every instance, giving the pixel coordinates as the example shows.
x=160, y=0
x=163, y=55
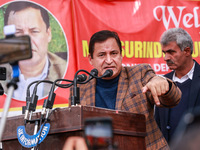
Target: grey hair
x=178, y=35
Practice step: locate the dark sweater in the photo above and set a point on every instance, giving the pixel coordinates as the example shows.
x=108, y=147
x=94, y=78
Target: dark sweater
x=106, y=92
x=176, y=113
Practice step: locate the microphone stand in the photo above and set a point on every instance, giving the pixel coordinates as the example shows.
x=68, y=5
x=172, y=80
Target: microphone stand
x=48, y=103
x=12, y=85
x=47, y=106
x=32, y=102
x=75, y=98
x=30, y=107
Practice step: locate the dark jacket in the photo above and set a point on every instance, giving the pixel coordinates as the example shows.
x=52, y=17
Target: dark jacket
x=162, y=114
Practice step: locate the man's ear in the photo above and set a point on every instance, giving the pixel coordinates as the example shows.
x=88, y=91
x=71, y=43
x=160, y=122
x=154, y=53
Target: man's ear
x=49, y=34
x=187, y=51
x=90, y=59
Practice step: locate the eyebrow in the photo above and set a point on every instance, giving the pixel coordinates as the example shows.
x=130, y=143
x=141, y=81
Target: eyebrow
x=169, y=50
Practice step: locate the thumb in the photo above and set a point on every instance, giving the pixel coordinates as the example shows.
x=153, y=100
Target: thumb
x=144, y=89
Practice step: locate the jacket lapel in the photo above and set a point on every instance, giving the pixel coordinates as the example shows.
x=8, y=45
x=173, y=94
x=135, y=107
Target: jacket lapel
x=91, y=98
x=87, y=93
x=195, y=86
x=122, y=89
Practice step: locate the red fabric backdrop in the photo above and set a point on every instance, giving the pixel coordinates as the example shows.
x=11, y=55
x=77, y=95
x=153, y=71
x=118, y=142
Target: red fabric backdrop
x=139, y=24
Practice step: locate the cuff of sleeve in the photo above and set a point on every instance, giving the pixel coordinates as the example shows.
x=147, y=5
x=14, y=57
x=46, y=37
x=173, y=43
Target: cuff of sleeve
x=170, y=83
x=173, y=96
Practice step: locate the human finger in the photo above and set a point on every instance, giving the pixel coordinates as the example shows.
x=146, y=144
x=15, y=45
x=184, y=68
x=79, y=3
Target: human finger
x=150, y=87
x=77, y=143
x=155, y=95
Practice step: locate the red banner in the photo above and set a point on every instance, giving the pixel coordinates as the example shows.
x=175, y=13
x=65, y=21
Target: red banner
x=138, y=23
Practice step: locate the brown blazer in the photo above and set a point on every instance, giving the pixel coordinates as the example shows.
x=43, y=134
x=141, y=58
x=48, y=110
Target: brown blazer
x=130, y=98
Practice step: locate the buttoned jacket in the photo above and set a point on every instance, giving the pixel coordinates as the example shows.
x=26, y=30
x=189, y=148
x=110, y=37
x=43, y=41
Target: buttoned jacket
x=162, y=114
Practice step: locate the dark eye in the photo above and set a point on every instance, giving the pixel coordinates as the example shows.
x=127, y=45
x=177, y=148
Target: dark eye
x=171, y=52
x=35, y=31
x=114, y=53
x=101, y=54
x=19, y=32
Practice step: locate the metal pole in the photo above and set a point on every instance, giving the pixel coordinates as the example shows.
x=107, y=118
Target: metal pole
x=5, y=110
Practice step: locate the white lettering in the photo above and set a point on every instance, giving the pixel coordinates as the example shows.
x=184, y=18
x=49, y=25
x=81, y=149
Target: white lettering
x=160, y=67
x=186, y=22
x=44, y=131
x=22, y=138
x=34, y=141
x=20, y=131
x=188, y=19
x=196, y=17
x=156, y=67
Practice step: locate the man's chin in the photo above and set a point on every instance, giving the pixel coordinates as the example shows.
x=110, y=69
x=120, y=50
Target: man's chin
x=27, y=62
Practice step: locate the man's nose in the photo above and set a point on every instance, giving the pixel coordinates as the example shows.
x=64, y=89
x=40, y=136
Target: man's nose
x=167, y=57
x=108, y=59
x=26, y=32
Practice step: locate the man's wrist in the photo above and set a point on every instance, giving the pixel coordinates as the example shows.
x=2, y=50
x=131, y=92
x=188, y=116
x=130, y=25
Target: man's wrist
x=170, y=83
x=161, y=76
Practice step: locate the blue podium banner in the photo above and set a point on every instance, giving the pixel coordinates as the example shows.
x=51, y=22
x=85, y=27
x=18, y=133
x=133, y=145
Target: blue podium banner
x=29, y=141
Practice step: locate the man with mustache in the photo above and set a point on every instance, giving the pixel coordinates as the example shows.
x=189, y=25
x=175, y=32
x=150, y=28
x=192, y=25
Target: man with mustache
x=134, y=89
x=33, y=20
x=177, y=45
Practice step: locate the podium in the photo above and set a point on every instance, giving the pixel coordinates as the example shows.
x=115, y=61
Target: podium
x=129, y=128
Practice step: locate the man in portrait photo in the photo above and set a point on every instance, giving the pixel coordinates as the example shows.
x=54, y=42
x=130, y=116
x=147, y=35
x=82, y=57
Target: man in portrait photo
x=33, y=20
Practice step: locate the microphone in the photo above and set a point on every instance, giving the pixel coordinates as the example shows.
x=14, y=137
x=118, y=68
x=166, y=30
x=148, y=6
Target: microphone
x=81, y=78
x=48, y=103
x=77, y=79
x=108, y=73
x=94, y=72
x=31, y=102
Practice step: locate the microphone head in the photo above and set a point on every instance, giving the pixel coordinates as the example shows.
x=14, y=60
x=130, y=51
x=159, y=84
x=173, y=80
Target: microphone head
x=108, y=73
x=81, y=77
x=94, y=72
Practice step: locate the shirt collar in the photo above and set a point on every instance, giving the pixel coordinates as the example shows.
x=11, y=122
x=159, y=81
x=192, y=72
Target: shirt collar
x=189, y=75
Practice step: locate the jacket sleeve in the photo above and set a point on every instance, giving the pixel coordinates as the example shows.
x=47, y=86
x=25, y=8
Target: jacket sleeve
x=169, y=99
x=172, y=97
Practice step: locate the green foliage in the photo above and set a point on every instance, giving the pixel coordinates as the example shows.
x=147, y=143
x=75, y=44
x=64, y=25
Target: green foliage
x=58, y=42
x=1, y=23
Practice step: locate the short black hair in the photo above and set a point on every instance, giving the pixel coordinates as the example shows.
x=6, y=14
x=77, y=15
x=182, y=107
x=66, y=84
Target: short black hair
x=101, y=36
x=20, y=5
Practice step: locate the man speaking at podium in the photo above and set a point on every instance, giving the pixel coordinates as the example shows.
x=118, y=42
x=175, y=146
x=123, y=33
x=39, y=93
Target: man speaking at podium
x=134, y=89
